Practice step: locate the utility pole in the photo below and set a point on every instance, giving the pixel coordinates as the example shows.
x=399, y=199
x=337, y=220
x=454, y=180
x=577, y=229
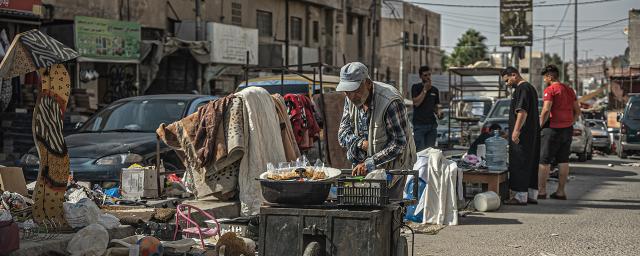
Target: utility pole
x=198, y=38
x=575, y=48
x=544, y=43
x=374, y=10
x=401, y=75
x=286, y=34
x=562, y=72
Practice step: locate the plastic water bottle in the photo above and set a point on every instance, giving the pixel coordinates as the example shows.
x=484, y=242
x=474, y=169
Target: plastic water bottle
x=496, y=155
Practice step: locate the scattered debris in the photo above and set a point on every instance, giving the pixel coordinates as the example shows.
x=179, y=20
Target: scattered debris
x=428, y=229
x=631, y=164
x=610, y=165
x=554, y=234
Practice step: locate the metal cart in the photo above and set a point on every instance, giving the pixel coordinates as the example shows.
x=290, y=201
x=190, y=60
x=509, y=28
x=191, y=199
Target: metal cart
x=334, y=229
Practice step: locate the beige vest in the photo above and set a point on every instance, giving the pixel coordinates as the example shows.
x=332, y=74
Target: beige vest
x=383, y=95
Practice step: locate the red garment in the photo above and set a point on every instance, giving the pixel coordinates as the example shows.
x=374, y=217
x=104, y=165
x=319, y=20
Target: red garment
x=563, y=99
x=305, y=127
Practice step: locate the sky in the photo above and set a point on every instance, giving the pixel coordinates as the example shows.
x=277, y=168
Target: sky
x=606, y=41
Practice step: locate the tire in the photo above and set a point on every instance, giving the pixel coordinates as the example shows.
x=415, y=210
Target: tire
x=312, y=249
x=622, y=154
x=590, y=154
x=582, y=157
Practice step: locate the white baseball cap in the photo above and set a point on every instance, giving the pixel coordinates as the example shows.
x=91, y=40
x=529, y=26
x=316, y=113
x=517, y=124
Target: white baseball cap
x=351, y=75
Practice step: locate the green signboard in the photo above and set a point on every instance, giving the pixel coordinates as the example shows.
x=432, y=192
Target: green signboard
x=107, y=39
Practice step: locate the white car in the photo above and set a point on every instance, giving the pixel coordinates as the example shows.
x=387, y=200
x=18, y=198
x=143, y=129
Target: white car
x=582, y=142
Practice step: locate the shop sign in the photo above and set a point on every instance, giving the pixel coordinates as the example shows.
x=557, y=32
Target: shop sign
x=107, y=39
x=230, y=44
x=516, y=22
x=22, y=5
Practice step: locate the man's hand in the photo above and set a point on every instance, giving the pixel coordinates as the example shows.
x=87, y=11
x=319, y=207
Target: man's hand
x=515, y=137
x=359, y=170
x=365, y=146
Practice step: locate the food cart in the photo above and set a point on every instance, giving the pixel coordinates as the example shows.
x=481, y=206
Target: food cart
x=362, y=221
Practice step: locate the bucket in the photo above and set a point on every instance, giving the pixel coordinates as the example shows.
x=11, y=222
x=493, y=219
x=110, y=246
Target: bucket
x=487, y=201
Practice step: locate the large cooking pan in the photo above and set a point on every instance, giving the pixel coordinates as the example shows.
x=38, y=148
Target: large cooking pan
x=298, y=192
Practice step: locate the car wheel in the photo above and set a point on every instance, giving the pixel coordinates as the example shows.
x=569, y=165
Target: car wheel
x=590, y=153
x=622, y=154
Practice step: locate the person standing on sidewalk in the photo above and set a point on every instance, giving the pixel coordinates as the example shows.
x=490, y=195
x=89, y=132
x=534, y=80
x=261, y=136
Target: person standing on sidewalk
x=426, y=111
x=559, y=112
x=524, y=139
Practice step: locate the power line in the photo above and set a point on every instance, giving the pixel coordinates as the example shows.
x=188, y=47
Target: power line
x=498, y=6
x=584, y=29
x=563, y=16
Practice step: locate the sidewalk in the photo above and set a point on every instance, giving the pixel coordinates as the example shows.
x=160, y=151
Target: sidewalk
x=601, y=217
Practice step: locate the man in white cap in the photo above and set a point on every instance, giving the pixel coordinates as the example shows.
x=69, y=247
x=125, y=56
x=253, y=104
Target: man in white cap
x=374, y=128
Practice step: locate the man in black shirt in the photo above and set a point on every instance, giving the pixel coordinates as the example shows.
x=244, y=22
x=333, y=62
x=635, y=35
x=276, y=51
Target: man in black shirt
x=524, y=139
x=426, y=111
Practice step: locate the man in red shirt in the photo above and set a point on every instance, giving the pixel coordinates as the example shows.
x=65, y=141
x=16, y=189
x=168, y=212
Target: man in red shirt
x=559, y=112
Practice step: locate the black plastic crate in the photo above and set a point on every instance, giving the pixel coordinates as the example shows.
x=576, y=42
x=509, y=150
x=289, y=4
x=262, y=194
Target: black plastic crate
x=357, y=192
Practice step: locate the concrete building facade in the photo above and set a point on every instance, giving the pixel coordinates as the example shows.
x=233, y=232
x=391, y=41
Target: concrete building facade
x=419, y=28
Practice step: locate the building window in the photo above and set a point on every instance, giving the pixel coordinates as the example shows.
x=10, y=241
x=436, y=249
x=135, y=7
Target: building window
x=349, y=24
x=236, y=14
x=405, y=40
x=415, y=41
x=316, y=31
x=296, y=28
x=264, y=23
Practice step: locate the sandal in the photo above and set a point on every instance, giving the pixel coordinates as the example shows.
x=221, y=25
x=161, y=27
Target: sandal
x=514, y=201
x=555, y=196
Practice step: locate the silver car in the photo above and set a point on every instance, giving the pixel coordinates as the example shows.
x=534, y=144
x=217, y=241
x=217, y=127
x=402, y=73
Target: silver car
x=582, y=142
x=600, y=134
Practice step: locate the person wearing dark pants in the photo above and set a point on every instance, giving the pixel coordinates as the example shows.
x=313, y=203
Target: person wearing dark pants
x=559, y=112
x=524, y=139
x=426, y=111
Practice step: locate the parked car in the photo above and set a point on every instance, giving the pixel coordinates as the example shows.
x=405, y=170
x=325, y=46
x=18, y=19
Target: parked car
x=443, y=140
x=499, y=114
x=600, y=134
x=582, y=141
x=629, y=142
x=121, y=134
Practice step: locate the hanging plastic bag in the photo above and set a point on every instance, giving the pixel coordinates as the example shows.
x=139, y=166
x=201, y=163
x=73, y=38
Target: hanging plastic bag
x=412, y=214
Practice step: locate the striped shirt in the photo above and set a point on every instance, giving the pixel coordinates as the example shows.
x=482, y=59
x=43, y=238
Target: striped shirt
x=395, y=120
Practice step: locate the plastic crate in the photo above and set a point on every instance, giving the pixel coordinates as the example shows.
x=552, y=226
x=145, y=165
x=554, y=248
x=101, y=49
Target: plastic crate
x=357, y=192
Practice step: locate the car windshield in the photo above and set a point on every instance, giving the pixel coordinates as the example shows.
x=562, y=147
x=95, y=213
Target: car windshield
x=136, y=116
x=597, y=125
x=634, y=110
x=501, y=110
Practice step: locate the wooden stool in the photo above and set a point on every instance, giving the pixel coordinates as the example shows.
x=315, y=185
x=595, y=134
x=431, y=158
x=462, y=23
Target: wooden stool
x=494, y=180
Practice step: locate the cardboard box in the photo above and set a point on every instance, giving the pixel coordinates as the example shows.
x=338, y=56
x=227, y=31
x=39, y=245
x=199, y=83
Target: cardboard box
x=12, y=179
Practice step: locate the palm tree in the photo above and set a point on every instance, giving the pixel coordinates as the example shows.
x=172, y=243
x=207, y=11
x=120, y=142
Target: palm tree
x=469, y=49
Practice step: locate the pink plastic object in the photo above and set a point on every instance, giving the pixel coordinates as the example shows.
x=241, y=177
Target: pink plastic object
x=190, y=228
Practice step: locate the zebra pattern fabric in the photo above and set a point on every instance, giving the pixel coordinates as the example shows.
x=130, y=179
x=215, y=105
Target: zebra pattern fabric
x=44, y=50
x=48, y=125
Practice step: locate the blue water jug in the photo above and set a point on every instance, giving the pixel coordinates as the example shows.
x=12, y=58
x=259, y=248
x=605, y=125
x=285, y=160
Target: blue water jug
x=496, y=155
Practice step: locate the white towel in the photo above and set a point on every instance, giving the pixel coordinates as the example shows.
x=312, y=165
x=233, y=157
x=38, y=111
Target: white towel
x=264, y=145
x=439, y=201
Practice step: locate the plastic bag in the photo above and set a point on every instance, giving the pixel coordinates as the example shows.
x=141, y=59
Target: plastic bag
x=89, y=241
x=412, y=214
x=82, y=213
x=108, y=221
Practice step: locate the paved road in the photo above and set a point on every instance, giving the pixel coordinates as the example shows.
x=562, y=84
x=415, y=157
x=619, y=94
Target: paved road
x=601, y=217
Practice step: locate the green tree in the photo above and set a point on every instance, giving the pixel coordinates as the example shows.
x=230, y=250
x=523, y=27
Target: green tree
x=444, y=60
x=469, y=49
